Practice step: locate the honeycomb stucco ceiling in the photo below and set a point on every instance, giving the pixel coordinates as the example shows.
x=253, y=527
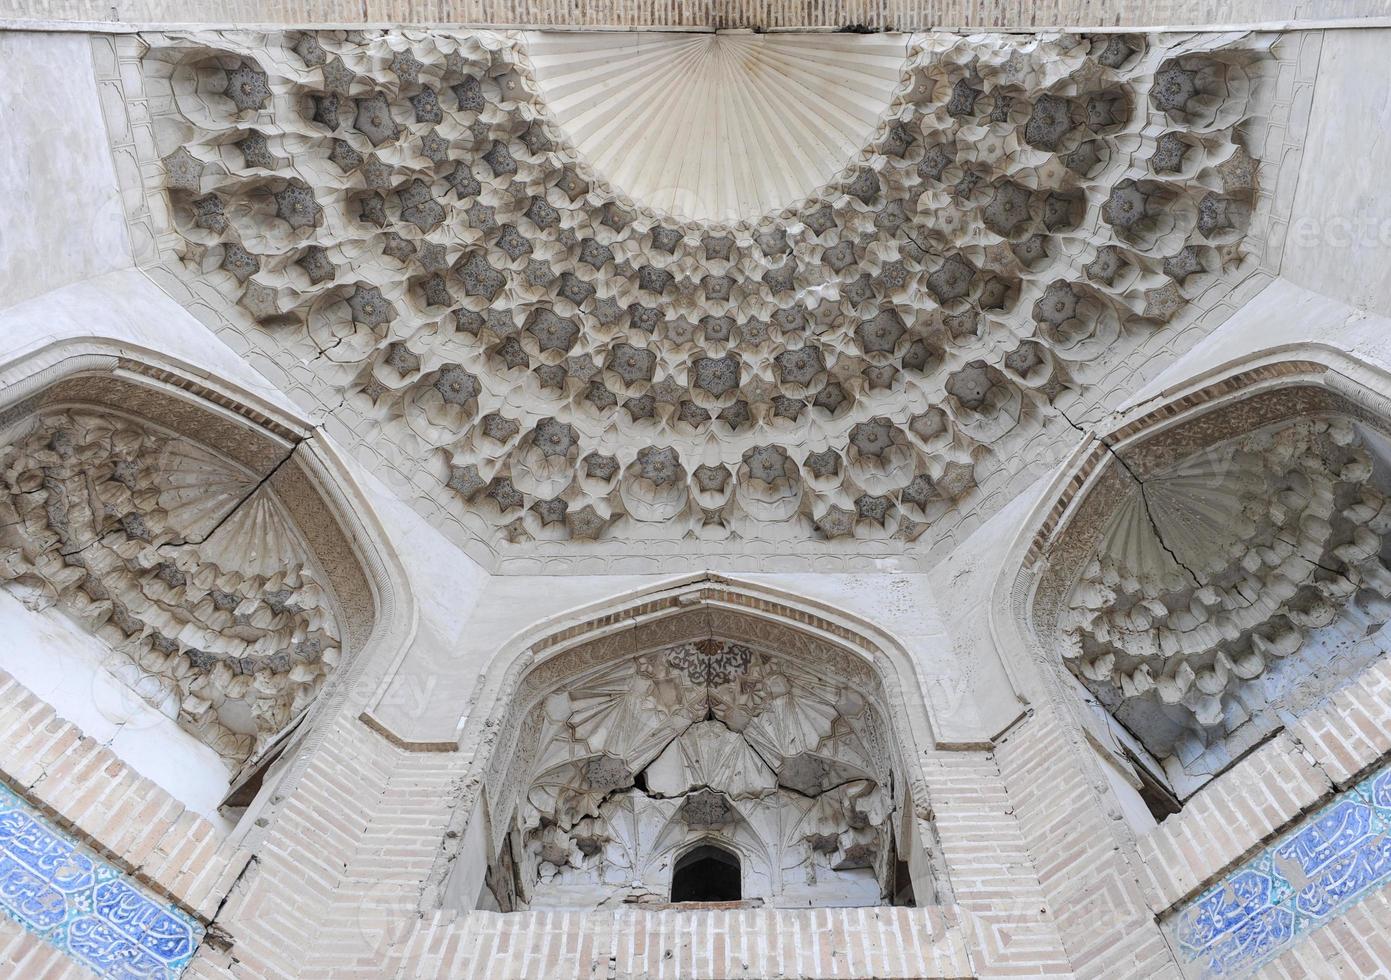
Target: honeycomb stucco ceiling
x=572, y=368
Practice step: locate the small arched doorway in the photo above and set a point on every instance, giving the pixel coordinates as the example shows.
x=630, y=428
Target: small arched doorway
x=708, y=873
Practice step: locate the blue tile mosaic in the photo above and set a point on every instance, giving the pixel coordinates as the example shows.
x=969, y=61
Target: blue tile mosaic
x=1302, y=880
x=68, y=896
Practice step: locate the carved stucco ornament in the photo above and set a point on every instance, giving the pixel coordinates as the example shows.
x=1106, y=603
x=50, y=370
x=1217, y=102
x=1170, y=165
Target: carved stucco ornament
x=1214, y=569
x=631, y=764
x=1011, y=219
x=185, y=563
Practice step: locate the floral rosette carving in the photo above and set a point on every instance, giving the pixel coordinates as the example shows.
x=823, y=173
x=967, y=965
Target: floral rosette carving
x=395, y=206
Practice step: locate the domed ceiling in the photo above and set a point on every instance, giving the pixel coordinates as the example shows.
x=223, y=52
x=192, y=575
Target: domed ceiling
x=468, y=253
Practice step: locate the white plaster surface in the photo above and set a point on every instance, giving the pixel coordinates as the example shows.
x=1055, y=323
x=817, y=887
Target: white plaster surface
x=428, y=695
x=968, y=691
x=63, y=664
x=1132, y=805
x=1284, y=317
x=446, y=585
x=969, y=696
x=60, y=210
x=445, y=581
x=129, y=309
x=971, y=585
x=65, y=274
x=714, y=126
x=1340, y=229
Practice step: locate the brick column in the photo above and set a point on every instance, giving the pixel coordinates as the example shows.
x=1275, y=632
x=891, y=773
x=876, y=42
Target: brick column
x=1086, y=865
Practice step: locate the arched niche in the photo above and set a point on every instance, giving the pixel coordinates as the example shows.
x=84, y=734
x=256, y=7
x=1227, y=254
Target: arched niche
x=707, y=872
x=1219, y=564
x=206, y=543
x=704, y=714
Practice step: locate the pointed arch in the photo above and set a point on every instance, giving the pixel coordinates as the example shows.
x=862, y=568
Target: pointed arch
x=707, y=871
x=711, y=627
x=1287, y=450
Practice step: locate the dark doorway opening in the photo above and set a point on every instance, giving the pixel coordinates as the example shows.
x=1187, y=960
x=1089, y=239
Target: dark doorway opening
x=706, y=874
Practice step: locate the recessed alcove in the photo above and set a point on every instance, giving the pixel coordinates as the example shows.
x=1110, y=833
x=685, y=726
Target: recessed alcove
x=704, y=754
x=184, y=587
x=1228, y=574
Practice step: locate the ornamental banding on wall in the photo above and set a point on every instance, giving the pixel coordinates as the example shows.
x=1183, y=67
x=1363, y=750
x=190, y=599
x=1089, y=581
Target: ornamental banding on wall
x=1226, y=573
x=183, y=544
x=1284, y=893
x=67, y=895
x=402, y=216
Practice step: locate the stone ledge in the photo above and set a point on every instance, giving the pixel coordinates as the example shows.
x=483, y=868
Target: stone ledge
x=881, y=942
x=769, y=15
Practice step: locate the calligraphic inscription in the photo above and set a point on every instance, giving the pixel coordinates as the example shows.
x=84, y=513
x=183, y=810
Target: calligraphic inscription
x=68, y=896
x=1297, y=884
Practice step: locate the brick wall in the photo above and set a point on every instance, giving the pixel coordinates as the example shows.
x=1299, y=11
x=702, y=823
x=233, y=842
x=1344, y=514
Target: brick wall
x=22, y=954
x=376, y=900
x=1294, y=772
x=1088, y=873
x=1357, y=945
x=1043, y=877
x=1228, y=819
x=86, y=789
x=992, y=876
x=361, y=831
x=81, y=786
x=281, y=915
x=753, y=943
x=1351, y=733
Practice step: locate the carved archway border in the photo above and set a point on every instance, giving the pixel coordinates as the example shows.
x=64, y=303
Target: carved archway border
x=1323, y=379
x=1153, y=438
x=308, y=474
x=774, y=639
x=628, y=625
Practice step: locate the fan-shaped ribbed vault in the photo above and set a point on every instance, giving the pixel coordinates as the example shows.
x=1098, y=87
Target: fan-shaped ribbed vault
x=717, y=127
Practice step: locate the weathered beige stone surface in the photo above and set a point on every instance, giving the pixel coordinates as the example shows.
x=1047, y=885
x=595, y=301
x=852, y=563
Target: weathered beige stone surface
x=1339, y=238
